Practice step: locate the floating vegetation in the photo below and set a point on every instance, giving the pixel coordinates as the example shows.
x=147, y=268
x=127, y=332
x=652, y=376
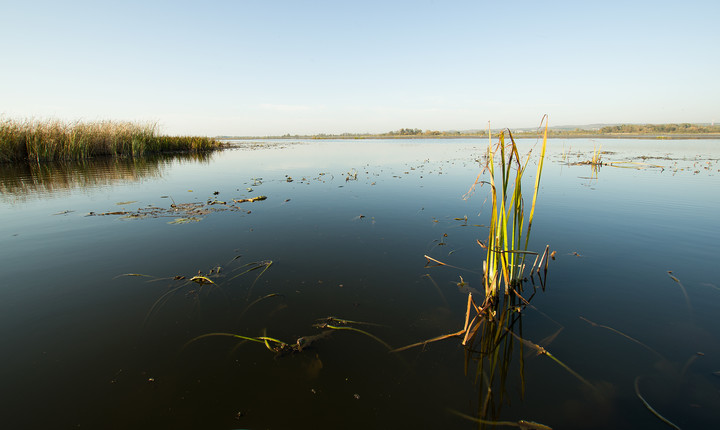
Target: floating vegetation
x=185, y=220
x=437, y=288
x=321, y=322
x=432, y=262
x=282, y=349
x=134, y=274
x=522, y=424
x=190, y=291
x=351, y=175
x=334, y=323
x=694, y=166
x=542, y=351
x=634, y=165
x=201, y=280
x=713, y=286
x=189, y=212
x=682, y=288
x=258, y=301
x=434, y=339
x=252, y=199
x=677, y=373
x=200, y=284
x=279, y=347
x=249, y=267
x=630, y=338
x=650, y=408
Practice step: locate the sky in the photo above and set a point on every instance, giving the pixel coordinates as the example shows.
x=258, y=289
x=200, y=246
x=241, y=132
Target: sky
x=257, y=68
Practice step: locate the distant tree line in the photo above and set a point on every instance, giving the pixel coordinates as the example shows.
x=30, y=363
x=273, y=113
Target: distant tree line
x=614, y=130
x=405, y=132
x=660, y=128
x=419, y=132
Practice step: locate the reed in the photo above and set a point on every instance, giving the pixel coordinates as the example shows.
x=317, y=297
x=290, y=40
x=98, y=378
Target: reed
x=509, y=230
x=56, y=140
x=650, y=408
x=493, y=329
x=492, y=333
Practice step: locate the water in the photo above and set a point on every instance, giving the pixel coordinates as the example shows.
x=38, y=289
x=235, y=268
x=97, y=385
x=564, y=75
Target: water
x=346, y=225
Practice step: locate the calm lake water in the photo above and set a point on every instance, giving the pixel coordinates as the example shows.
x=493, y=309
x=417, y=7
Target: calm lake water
x=343, y=233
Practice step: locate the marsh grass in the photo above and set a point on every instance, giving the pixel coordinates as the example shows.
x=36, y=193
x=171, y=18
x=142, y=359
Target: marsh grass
x=494, y=337
x=509, y=229
x=492, y=333
x=56, y=140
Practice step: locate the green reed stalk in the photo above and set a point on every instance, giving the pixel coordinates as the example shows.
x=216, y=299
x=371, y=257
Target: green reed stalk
x=507, y=241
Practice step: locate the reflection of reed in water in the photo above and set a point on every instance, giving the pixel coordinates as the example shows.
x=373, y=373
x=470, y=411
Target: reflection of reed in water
x=19, y=181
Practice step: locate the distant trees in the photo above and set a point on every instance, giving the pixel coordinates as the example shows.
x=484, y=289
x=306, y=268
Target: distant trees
x=623, y=129
x=659, y=128
x=406, y=132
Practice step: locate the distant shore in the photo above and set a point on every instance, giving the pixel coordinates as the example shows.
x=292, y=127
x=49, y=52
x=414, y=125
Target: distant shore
x=485, y=136
x=621, y=131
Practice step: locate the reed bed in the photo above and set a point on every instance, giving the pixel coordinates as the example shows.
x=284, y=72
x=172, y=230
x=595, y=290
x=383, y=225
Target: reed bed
x=49, y=140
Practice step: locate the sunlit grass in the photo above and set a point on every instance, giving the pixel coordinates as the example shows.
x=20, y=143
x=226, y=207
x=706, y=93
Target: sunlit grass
x=47, y=140
x=492, y=333
x=509, y=229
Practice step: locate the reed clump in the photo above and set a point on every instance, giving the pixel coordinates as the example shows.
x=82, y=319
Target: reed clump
x=497, y=326
x=48, y=140
x=492, y=333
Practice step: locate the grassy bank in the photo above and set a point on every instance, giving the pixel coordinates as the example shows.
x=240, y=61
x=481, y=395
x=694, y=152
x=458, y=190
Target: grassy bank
x=56, y=140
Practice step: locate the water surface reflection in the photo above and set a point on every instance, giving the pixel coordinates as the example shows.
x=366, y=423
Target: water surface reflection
x=346, y=226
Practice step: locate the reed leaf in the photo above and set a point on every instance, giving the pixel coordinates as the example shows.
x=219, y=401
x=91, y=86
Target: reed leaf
x=630, y=338
x=650, y=408
x=370, y=335
x=522, y=424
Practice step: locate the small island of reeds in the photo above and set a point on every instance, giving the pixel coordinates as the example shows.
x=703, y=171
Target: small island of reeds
x=48, y=140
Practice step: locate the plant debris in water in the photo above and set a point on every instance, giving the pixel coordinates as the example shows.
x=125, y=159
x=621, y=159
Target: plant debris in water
x=283, y=349
x=184, y=213
x=201, y=283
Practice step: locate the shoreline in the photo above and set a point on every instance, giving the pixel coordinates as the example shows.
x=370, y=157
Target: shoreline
x=699, y=136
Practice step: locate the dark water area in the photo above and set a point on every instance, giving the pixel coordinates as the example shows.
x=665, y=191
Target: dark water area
x=343, y=232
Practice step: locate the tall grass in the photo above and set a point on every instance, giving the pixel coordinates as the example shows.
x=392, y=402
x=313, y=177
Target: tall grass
x=494, y=335
x=509, y=229
x=56, y=140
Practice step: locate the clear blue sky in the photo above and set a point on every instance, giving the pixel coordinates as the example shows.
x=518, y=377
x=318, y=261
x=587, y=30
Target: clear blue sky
x=276, y=67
